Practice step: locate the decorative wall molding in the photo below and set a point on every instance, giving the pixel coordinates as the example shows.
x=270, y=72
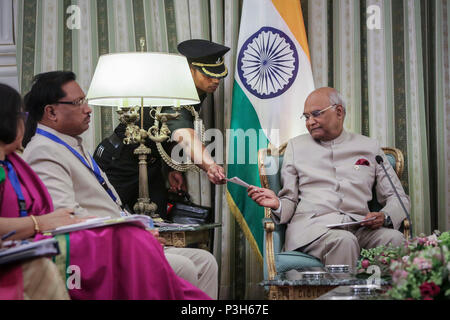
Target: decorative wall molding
x=318, y=41
x=8, y=60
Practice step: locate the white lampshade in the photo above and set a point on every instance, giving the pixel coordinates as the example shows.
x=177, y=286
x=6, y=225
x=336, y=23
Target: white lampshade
x=161, y=79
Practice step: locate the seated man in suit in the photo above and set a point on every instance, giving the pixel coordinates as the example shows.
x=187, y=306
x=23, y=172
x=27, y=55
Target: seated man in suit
x=57, y=116
x=327, y=178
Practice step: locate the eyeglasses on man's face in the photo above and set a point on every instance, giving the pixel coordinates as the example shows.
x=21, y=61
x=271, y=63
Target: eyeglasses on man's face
x=76, y=103
x=315, y=113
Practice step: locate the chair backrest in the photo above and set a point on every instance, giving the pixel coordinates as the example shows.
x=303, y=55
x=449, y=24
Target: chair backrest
x=270, y=162
x=395, y=157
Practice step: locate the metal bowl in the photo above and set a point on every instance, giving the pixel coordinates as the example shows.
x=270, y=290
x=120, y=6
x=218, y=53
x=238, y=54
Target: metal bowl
x=365, y=289
x=338, y=268
x=315, y=275
x=343, y=298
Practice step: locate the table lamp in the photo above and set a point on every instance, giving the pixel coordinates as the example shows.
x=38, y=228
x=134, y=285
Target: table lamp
x=133, y=80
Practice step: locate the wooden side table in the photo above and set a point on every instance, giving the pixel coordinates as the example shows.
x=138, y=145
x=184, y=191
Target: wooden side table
x=298, y=287
x=298, y=292
x=188, y=236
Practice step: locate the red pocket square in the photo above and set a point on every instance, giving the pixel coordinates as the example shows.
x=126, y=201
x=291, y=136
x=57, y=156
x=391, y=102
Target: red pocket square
x=362, y=162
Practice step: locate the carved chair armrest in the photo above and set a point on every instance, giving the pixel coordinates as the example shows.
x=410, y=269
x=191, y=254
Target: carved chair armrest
x=269, y=227
x=406, y=229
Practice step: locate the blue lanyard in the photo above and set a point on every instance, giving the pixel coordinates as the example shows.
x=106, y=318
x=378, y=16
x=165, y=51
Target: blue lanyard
x=95, y=170
x=16, y=185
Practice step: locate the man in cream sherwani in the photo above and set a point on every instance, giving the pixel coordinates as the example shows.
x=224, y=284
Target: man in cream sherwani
x=327, y=178
x=58, y=115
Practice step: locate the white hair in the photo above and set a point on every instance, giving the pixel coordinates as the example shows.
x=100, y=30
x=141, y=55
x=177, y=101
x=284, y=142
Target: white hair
x=336, y=98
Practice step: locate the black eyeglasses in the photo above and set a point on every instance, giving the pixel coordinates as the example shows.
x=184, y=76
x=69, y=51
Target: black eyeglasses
x=316, y=113
x=75, y=103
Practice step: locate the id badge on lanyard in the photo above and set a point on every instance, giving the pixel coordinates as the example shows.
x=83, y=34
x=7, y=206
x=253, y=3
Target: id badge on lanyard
x=95, y=170
x=14, y=180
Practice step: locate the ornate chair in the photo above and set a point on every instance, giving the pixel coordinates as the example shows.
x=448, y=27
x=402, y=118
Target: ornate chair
x=395, y=157
x=277, y=261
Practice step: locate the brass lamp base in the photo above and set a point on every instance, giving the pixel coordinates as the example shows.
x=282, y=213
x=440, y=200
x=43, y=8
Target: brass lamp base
x=158, y=133
x=134, y=134
x=144, y=204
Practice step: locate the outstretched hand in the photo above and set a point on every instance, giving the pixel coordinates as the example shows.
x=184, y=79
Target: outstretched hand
x=264, y=197
x=176, y=181
x=216, y=174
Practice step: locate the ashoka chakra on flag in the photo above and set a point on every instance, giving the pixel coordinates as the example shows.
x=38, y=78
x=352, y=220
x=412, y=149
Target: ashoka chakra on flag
x=268, y=63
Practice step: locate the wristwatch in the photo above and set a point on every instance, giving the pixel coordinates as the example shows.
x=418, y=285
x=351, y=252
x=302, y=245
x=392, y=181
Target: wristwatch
x=387, y=221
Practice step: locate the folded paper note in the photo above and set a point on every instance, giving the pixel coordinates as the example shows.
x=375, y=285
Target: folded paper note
x=238, y=181
x=353, y=223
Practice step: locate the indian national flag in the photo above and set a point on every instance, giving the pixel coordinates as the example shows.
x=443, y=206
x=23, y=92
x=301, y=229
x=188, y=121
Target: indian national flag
x=272, y=80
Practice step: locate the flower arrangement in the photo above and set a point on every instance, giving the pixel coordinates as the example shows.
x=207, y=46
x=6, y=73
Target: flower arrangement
x=418, y=270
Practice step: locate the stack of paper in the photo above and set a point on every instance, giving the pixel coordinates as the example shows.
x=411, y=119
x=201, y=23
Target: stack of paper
x=352, y=223
x=238, y=181
x=142, y=221
x=172, y=224
x=26, y=250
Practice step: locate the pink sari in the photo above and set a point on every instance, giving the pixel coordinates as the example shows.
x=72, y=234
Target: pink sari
x=117, y=262
x=11, y=283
